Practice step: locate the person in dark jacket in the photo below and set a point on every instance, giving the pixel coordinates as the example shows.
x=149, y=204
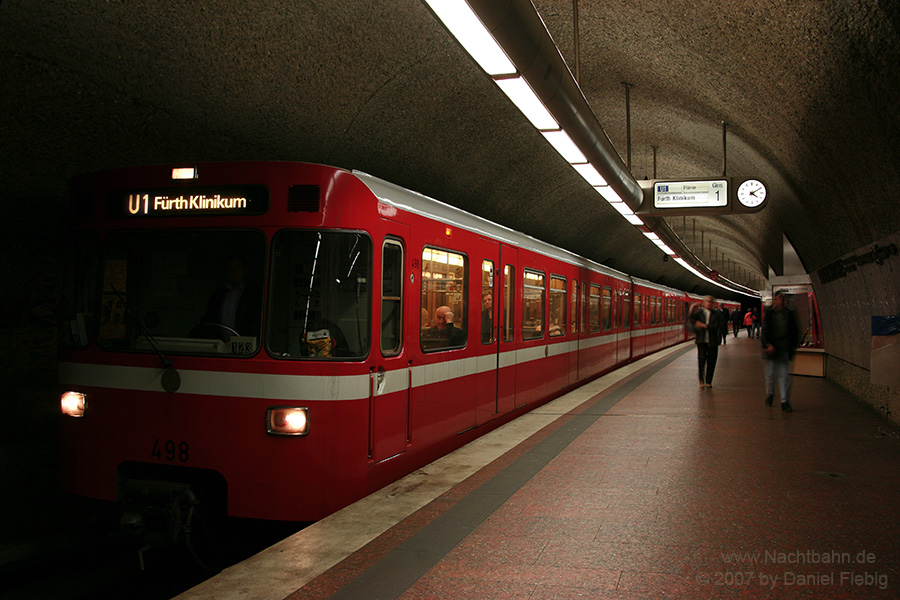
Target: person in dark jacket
x=707, y=323
x=236, y=306
x=779, y=338
x=736, y=319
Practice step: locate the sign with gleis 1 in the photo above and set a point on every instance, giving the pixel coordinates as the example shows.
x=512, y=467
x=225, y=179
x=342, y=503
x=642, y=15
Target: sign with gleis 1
x=701, y=196
x=690, y=194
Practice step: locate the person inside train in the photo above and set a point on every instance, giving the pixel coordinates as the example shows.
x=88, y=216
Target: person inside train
x=444, y=333
x=487, y=317
x=236, y=305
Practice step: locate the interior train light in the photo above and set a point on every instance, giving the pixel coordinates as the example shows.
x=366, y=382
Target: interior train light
x=73, y=404
x=184, y=173
x=287, y=420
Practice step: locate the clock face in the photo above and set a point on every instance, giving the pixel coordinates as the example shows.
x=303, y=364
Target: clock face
x=751, y=193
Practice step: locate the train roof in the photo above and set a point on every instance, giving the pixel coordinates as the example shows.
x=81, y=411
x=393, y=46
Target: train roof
x=414, y=202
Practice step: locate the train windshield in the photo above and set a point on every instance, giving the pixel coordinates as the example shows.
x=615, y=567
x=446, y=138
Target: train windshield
x=320, y=296
x=182, y=292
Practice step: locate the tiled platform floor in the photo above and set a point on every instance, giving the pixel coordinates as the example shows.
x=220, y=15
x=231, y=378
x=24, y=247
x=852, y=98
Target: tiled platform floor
x=673, y=492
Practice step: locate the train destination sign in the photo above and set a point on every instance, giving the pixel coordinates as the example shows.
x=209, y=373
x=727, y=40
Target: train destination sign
x=690, y=194
x=188, y=202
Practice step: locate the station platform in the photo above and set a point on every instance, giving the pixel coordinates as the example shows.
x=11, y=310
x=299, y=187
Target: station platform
x=640, y=484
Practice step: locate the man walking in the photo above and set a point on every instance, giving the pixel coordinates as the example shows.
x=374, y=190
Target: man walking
x=779, y=339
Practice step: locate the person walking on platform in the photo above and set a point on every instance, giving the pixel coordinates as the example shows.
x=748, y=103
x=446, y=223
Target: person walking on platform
x=736, y=321
x=723, y=319
x=748, y=322
x=706, y=322
x=779, y=339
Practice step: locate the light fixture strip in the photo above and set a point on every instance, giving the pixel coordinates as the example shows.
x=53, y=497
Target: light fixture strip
x=468, y=29
x=590, y=174
x=563, y=144
x=521, y=94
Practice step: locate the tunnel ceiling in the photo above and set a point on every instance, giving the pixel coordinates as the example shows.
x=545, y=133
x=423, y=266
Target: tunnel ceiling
x=808, y=90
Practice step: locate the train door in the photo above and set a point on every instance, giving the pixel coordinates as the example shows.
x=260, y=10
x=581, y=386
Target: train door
x=487, y=332
x=390, y=373
x=623, y=321
x=573, y=330
x=506, y=316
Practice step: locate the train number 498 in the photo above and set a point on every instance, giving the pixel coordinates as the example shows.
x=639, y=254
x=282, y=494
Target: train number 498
x=170, y=450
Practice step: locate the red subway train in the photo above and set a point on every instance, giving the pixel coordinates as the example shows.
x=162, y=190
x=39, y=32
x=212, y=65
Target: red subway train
x=276, y=340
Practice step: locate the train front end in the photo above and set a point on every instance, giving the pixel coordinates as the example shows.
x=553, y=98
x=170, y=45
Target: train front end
x=202, y=371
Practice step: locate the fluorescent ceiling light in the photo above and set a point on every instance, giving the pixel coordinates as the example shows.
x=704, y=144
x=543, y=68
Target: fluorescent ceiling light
x=590, y=174
x=608, y=194
x=527, y=101
x=651, y=235
x=471, y=33
x=622, y=208
x=633, y=219
x=565, y=146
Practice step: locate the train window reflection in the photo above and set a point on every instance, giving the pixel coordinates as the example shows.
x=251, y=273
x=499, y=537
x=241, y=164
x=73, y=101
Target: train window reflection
x=487, y=302
x=533, y=299
x=595, y=308
x=444, y=293
x=606, y=309
x=391, y=298
x=557, y=306
x=637, y=310
x=184, y=292
x=320, y=295
x=507, y=317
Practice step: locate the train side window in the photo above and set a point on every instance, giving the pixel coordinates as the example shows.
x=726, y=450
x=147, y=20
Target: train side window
x=391, y=297
x=626, y=308
x=509, y=285
x=637, y=310
x=584, y=290
x=615, y=307
x=595, y=308
x=487, y=302
x=606, y=306
x=444, y=294
x=574, y=301
x=557, y=306
x=533, y=300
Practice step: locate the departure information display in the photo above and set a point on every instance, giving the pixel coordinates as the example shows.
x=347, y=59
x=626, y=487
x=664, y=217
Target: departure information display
x=187, y=202
x=690, y=194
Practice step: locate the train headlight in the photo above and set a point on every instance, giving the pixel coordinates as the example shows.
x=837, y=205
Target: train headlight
x=73, y=404
x=287, y=420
